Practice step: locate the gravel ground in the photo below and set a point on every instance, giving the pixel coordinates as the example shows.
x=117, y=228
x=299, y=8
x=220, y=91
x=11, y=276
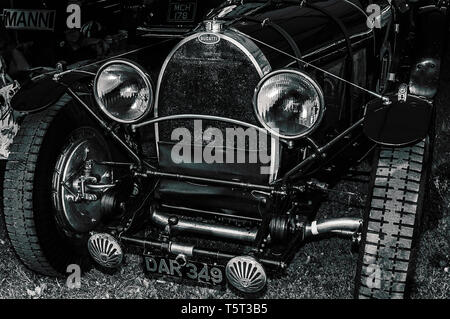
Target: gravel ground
x=324, y=269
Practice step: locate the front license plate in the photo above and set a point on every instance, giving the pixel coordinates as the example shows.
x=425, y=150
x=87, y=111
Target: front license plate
x=182, y=11
x=192, y=271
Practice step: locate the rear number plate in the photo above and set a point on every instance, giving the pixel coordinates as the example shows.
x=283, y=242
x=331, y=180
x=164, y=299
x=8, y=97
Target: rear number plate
x=192, y=271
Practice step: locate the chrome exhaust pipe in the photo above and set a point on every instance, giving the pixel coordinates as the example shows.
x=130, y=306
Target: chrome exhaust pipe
x=346, y=226
x=219, y=231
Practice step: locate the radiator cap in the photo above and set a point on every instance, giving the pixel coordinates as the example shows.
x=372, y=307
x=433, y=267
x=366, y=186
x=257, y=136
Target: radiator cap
x=214, y=25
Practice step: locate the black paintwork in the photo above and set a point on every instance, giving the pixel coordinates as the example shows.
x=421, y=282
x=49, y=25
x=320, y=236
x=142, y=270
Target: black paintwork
x=309, y=28
x=317, y=36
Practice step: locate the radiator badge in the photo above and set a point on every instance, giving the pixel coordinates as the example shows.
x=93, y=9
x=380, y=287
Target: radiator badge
x=209, y=38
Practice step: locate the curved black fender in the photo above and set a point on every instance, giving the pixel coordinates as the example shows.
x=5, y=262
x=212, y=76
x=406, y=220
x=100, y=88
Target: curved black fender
x=44, y=90
x=407, y=120
x=400, y=122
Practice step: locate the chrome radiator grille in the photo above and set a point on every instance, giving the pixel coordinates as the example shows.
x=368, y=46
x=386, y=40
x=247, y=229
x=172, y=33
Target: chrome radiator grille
x=214, y=79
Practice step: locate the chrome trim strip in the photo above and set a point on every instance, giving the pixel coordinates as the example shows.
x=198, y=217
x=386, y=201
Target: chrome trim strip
x=251, y=50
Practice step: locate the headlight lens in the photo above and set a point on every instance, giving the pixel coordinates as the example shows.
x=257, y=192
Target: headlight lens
x=123, y=91
x=289, y=103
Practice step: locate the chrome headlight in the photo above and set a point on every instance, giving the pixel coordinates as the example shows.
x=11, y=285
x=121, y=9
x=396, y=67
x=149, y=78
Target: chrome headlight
x=123, y=91
x=289, y=103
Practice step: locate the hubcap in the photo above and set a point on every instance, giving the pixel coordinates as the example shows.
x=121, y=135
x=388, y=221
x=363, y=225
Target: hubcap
x=80, y=214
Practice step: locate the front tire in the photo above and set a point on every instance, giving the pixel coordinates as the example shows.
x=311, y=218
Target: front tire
x=392, y=222
x=29, y=211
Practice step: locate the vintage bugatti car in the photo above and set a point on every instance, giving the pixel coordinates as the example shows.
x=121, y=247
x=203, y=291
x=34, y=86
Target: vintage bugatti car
x=131, y=152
